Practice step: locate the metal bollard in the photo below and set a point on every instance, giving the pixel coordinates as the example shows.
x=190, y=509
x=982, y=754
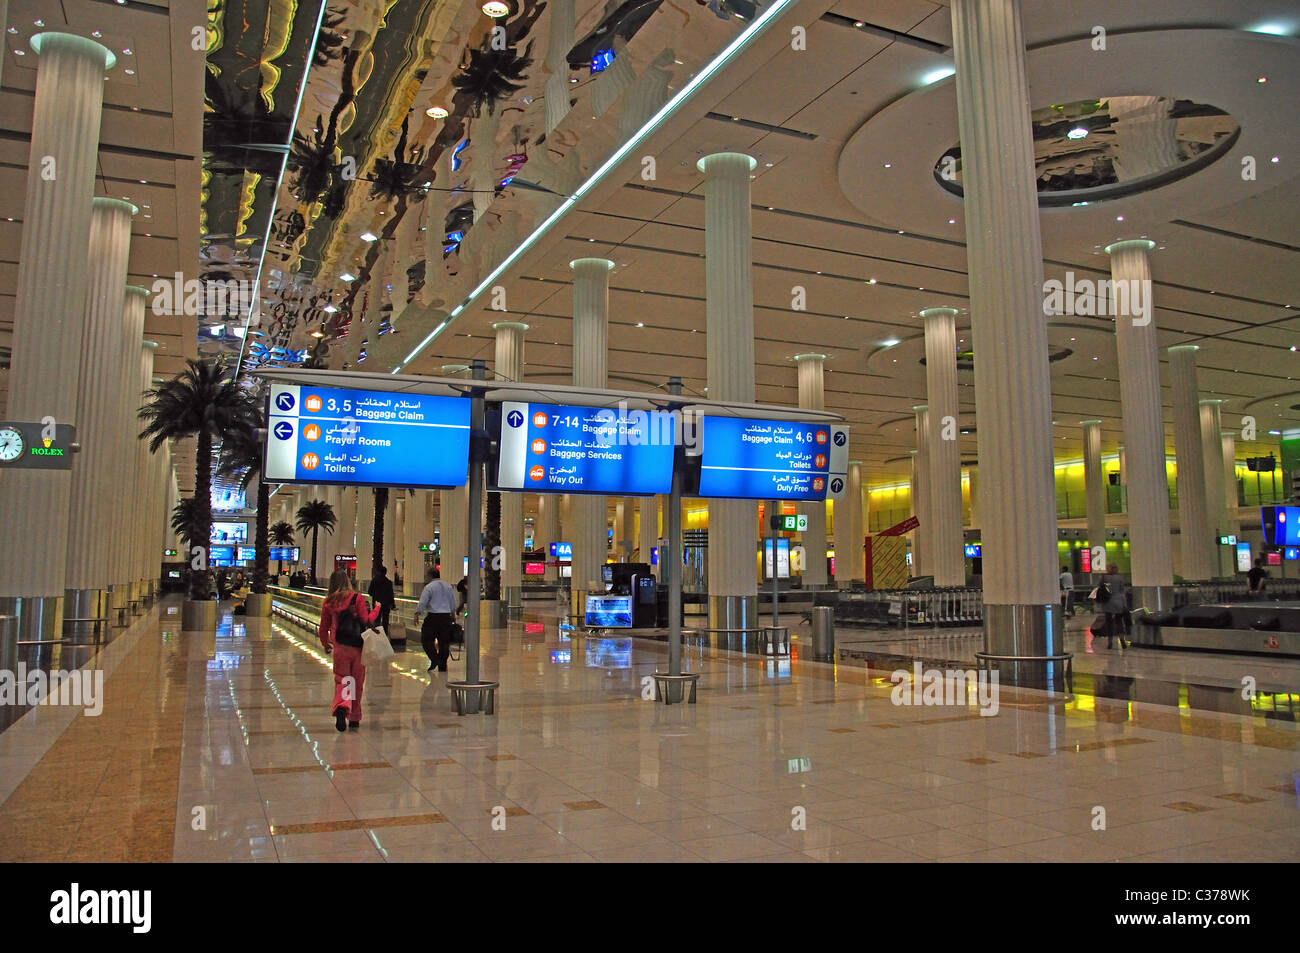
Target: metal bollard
x=823, y=633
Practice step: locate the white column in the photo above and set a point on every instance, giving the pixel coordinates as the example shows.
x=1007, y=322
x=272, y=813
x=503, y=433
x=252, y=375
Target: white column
x=1150, y=549
x=49, y=320
x=97, y=513
x=648, y=527
x=848, y=540
x=509, y=366
x=590, y=369
x=365, y=534
x=1212, y=454
x=923, y=537
x=1229, y=444
x=417, y=529
x=453, y=532
x=1196, y=544
x=1094, y=483
x=947, y=559
x=729, y=344
x=1013, y=396
x=546, y=529
x=812, y=396
x=126, y=401
x=142, y=467
x=916, y=490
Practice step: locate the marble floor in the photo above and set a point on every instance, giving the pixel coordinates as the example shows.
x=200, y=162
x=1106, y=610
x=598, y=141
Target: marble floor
x=220, y=747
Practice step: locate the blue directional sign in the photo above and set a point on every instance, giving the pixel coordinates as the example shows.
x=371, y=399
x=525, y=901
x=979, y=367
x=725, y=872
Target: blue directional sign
x=562, y=550
x=549, y=448
x=764, y=459
x=326, y=435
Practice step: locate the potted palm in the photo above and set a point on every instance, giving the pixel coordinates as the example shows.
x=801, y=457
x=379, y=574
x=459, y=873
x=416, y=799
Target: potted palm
x=241, y=456
x=203, y=403
x=281, y=534
x=312, y=517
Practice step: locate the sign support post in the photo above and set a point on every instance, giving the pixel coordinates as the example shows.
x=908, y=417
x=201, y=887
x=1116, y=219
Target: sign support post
x=469, y=695
x=674, y=550
x=775, y=507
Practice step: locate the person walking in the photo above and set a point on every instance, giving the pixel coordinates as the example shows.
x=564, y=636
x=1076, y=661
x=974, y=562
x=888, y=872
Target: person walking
x=438, y=606
x=1067, y=592
x=381, y=590
x=1256, y=577
x=343, y=617
x=1116, y=608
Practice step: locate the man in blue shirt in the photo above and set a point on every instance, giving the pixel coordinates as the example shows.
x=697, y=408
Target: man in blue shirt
x=437, y=605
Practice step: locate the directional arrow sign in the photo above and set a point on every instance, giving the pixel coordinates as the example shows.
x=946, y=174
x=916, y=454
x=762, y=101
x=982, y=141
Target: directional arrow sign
x=284, y=430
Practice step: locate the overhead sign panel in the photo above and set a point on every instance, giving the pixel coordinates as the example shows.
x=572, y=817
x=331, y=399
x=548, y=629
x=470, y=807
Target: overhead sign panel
x=358, y=437
x=764, y=459
x=551, y=448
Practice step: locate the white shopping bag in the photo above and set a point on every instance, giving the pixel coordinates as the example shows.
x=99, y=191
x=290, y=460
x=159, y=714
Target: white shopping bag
x=377, y=649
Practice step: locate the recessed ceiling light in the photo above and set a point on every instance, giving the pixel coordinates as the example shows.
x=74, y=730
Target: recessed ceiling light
x=1262, y=79
x=436, y=112
x=938, y=74
x=129, y=72
x=346, y=276
x=496, y=8
x=573, y=79
x=126, y=51
x=871, y=281
x=890, y=342
x=369, y=236
x=859, y=24
x=889, y=165
x=13, y=29
x=38, y=23
x=95, y=33
x=1119, y=218
x=1275, y=159
x=952, y=221
x=329, y=309
x=640, y=324
x=1078, y=132
x=20, y=52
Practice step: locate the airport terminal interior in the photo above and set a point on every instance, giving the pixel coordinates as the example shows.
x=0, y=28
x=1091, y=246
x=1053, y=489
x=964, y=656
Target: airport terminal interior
x=649, y=430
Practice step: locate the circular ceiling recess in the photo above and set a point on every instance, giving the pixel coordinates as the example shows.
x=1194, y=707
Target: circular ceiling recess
x=1092, y=150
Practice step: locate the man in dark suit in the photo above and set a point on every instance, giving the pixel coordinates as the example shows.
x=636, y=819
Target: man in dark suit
x=381, y=590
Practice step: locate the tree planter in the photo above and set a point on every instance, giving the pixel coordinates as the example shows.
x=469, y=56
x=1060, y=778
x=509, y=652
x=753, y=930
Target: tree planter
x=199, y=615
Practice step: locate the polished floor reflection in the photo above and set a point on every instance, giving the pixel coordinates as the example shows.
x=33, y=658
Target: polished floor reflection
x=220, y=747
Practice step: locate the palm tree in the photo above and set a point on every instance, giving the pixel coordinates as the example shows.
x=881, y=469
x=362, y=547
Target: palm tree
x=312, y=517
x=381, y=507
x=241, y=455
x=183, y=522
x=203, y=403
x=281, y=534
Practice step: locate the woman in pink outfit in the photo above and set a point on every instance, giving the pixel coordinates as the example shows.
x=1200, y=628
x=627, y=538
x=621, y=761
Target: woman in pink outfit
x=343, y=618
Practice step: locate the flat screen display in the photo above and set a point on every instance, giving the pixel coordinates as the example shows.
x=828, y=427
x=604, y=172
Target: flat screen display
x=534, y=569
x=552, y=448
x=609, y=612
x=1281, y=525
x=226, y=533
x=357, y=437
x=764, y=459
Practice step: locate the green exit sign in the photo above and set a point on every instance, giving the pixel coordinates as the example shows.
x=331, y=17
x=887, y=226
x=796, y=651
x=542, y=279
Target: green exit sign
x=794, y=524
x=169, y=552
x=1227, y=540
x=426, y=547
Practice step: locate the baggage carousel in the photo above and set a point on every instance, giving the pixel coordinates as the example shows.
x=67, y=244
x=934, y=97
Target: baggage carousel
x=1254, y=628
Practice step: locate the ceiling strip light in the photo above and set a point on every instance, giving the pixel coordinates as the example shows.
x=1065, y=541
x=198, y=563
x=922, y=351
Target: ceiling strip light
x=653, y=123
